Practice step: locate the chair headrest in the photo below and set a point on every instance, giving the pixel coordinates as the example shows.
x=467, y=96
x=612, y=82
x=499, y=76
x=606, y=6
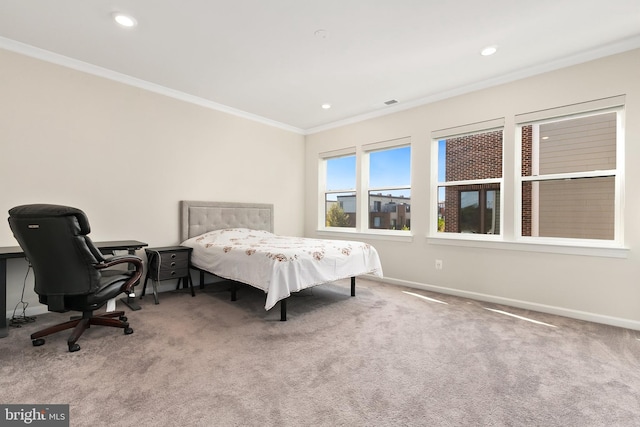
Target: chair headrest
x=45, y=210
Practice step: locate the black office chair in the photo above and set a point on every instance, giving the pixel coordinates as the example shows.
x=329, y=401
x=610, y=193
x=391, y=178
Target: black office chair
x=70, y=272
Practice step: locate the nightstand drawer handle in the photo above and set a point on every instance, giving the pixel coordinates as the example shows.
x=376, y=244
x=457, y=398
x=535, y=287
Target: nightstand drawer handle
x=173, y=256
x=173, y=264
x=173, y=273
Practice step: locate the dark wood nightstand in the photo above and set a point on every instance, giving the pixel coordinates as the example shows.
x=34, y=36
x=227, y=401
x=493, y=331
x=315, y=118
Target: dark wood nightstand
x=166, y=263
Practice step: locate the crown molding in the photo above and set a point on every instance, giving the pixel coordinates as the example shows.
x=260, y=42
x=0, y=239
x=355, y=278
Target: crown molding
x=578, y=58
x=589, y=55
x=85, y=67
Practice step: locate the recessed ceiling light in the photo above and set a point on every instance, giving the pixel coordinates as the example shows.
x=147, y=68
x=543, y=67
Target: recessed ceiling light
x=489, y=50
x=124, y=20
x=326, y=106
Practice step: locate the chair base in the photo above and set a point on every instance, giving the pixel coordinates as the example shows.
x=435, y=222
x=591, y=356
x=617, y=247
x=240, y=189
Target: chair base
x=81, y=324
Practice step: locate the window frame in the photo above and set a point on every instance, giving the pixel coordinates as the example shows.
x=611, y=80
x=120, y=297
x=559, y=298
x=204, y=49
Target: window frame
x=362, y=189
x=323, y=190
x=367, y=150
x=511, y=197
x=456, y=132
x=587, y=109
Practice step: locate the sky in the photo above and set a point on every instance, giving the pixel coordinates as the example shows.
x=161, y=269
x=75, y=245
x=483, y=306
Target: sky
x=442, y=170
x=387, y=168
x=442, y=151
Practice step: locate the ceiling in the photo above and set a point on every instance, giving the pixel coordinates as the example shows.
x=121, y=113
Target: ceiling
x=278, y=61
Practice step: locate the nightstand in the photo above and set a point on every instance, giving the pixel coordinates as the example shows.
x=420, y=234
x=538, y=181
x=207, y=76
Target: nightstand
x=166, y=263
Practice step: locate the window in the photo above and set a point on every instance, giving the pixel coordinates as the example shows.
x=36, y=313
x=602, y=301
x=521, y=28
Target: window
x=340, y=191
x=367, y=188
x=389, y=188
x=469, y=174
x=570, y=175
x=566, y=181
x=477, y=213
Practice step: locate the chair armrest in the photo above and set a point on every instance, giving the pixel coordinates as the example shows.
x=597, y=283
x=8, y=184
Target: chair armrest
x=125, y=259
x=120, y=259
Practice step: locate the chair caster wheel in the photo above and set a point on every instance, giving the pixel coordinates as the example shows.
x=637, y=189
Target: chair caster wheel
x=128, y=331
x=73, y=347
x=123, y=318
x=37, y=342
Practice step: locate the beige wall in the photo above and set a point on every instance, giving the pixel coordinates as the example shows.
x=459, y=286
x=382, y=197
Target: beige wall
x=138, y=153
x=127, y=156
x=591, y=287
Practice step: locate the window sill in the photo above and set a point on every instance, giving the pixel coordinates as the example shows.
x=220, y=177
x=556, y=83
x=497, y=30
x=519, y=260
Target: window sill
x=391, y=235
x=566, y=247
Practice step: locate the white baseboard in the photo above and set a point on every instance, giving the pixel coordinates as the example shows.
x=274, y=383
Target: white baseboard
x=38, y=309
x=560, y=311
x=32, y=310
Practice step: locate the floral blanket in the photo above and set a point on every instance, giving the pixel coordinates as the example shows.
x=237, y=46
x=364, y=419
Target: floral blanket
x=280, y=265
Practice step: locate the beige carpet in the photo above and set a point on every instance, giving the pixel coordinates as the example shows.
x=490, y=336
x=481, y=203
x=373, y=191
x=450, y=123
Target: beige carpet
x=384, y=358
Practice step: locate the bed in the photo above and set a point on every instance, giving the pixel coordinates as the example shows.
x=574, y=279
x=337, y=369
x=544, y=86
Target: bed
x=235, y=241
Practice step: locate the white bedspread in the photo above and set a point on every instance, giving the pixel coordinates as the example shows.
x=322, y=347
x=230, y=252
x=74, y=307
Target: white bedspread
x=280, y=265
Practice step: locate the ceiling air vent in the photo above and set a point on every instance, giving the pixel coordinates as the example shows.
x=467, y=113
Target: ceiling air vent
x=390, y=102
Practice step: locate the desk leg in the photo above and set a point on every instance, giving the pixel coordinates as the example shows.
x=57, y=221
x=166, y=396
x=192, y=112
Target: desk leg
x=3, y=298
x=130, y=301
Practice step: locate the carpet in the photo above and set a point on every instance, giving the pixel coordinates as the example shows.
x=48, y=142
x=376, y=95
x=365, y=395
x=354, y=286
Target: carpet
x=391, y=356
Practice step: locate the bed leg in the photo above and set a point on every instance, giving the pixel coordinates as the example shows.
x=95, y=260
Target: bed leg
x=201, y=279
x=283, y=310
x=234, y=291
x=353, y=286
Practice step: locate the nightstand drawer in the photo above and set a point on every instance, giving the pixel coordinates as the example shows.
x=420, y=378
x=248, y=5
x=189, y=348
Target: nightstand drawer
x=170, y=273
x=169, y=264
x=174, y=258
x=168, y=260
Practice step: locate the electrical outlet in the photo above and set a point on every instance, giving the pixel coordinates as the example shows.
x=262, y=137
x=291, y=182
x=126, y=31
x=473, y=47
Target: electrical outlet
x=438, y=264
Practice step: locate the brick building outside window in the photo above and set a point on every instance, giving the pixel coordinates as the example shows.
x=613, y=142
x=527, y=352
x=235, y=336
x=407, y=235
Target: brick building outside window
x=472, y=207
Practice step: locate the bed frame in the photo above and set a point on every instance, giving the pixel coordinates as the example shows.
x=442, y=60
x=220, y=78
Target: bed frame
x=199, y=217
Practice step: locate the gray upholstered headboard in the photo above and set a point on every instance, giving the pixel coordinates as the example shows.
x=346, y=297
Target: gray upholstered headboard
x=199, y=217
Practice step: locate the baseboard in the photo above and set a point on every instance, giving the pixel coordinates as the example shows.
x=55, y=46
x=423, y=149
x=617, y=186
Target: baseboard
x=31, y=311
x=560, y=311
x=38, y=309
